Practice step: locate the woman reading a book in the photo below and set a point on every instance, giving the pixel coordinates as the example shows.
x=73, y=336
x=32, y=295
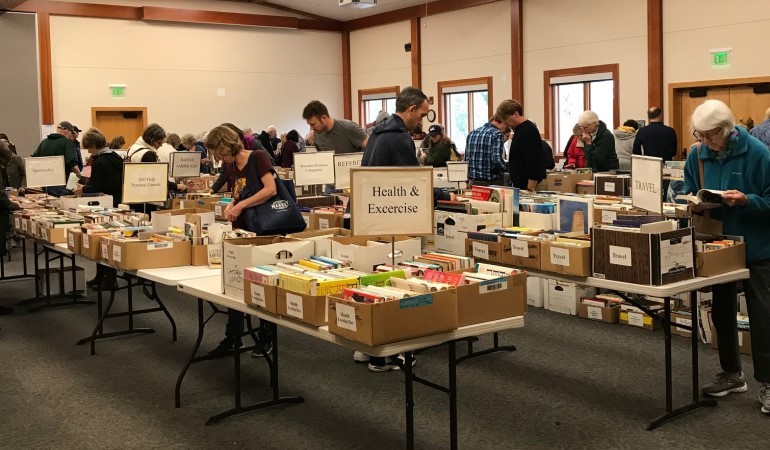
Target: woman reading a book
x=729, y=159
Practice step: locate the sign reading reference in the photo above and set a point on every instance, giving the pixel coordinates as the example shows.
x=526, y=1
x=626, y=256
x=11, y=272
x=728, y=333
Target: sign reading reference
x=313, y=168
x=647, y=183
x=342, y=165
x=185, y=164
x=145, y=182
x=390, y=201
x=45, y=171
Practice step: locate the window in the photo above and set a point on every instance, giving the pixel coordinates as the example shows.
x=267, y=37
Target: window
x=464, y=105
x=569, y=92
x=372, y=101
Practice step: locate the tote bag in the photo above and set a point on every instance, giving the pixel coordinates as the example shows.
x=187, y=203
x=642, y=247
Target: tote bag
x=278, y=215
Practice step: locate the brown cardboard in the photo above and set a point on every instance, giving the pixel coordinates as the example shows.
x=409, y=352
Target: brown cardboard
x=308, y=309
x=639, y=320
x=565, y=182
x=484, y=250
x=325, y=220
x=135, y=255
x=260, y=296
x=90, y=246
x=531, y=261
x=607, y=314
x=606, y=214
x=74, y=239
x=104, y=248
x=744, y=341
x=682, y=319
x=578, y=261
x=393, y=321
x=585, y=189
x=53, y=235
x=715, y=262
x=162, y=220
x=478, y=303
x=199, y=255
x=219, y=210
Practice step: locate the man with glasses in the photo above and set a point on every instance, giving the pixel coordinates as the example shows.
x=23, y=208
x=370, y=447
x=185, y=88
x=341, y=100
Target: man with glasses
x=655, y=139
x=60, y=144
x=599, y=143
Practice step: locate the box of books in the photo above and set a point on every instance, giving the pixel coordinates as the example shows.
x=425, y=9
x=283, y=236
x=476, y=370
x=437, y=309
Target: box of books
x=634, y=316
x=325, y=218
x=376, y=316
x=606, y=213
x=175, y=218
x=615, y=185
x=485, y=250
x=535, y=291
x=238, y=254
x=54, y=230
x=566, y=256
x=260, y=290
x=681, y=317
x=309, y=309
x=366, y=253
x=452, y=228
x=74, y=240
x=604, y=308
x=522, y=251
x=70, y=202
x=715, y=255
x=487, y=292
x=566, y=181
x=322, y=239
x=563, y=296
x=653, y=253
x=149, y=251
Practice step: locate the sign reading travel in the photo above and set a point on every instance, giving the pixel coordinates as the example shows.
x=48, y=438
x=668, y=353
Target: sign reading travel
x=145, y=182
x=45, y=171
x=342, y=165
x=313, y=168
x=185, y=164
x=457, y=171
x=647, y=183
x=390, y=201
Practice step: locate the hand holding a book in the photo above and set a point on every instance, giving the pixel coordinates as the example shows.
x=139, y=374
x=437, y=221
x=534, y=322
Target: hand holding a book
x=735, y=198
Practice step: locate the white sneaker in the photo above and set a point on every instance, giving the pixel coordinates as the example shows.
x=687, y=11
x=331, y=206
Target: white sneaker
x=360, y=357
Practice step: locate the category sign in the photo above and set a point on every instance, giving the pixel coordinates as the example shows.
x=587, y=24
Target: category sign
x=45, y=171
x=342, y=165
x=647, y=183
x=185, y=164
x=145, y=182
x=313, y=168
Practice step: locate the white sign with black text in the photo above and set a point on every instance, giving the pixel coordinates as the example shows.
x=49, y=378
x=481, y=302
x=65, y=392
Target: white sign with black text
x=391, y=201
x=313, y=168
x=45, y=171
x=342, y=165
x=647, y=183
x=145, y=182
x=457, y=171
x=185, y=164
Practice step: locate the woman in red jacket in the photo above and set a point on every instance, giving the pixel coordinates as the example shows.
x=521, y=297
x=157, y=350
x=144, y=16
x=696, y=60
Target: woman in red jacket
x=576, y=157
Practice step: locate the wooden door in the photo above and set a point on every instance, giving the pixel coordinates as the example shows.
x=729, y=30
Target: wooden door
x=126, y=122
x=686, y=139
x=748, y=106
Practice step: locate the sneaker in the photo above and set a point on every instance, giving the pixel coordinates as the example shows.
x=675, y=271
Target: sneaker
x=392, y=363
x=360, y=357
x=400, y=360
x=224, y=347
x=386, y=367
x=764, y=397
x=725, y=383
x=268, y=346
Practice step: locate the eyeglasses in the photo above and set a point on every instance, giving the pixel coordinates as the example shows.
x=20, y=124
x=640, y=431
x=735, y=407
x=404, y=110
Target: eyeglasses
x=710, y=135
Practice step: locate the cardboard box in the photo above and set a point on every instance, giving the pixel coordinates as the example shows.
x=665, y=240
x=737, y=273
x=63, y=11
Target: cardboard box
x=260, y=296
x=715, y=262
x=607, y=314
x=681, y=317
x=105, y=249
x=607, y=214
x=492, y=300
x=74, y=240
x=90, y=245
x=365, y=253
x=57, y=277
x=537, y=221
x=565, y=182
x=614, y=185
x=324, y=220
x=744, y=341
x=70, y=202
x=521, y=253
x=451, y=229
x=398, y=320
x=163, y=220
x=638, y=319
x=53, y=235
x=199, y=255
x=535, y=292
x=322, y=239
x=219, y=210
x=563, y=297
x=585, y=189
x=485, y=250
x=643, y=258
x=309, y=309
x=256, y=251
x=135, y=255
x=564, y=259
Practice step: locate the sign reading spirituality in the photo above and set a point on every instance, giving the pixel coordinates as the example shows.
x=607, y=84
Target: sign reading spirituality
x=45, y=171
x=342, y=165
x=391, y=201
x=647, y=183
x=185, y=164
x=313, y=168
x=145, y=182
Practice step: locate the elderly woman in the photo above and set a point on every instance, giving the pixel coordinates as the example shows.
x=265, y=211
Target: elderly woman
x=12, y=172
x=576, y=157
x=190, y=144
x=599, y=143
x=732, y=161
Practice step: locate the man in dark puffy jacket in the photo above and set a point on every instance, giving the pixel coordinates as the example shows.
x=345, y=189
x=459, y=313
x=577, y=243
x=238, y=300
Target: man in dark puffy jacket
x=599, y=143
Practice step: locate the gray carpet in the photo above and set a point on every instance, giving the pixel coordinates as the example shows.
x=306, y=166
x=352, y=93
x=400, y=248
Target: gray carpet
x=573, y=383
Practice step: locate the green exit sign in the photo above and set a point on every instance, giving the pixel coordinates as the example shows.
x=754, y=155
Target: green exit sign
x=118, y=90
x=719, y=57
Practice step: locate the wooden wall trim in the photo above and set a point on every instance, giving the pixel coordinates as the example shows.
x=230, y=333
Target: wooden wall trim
x=404, y=14
x=346, y=77
x=155, y=13
x=297, y=11
x=441, y=85
x=416, y=53
x=614, y=69
x=655, y=53
x=517, y=50
x=395, y=90
x=81, y=9
x=46, y=73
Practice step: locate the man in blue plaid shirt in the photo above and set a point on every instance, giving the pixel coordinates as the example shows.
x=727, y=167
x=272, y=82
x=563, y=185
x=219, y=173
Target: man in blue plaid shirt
x=484, y=152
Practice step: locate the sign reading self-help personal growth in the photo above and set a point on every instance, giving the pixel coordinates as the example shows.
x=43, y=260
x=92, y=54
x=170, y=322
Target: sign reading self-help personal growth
x=185, y=164
x=647, y=183
x=145, y=182
x=390, y=201
x=45, y=171
x=313, y=168
x=342, y=165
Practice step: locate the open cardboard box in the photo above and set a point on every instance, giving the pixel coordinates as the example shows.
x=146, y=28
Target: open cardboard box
x=564, y=259
x=144, y=254
x=260, y=296
x=607, y=314
x=716, y=262
x=308, y=309
x=521, y=253
x=491, y=300
x=163, y=220
x=322, y=239
x=365, y=253
x=485, y=250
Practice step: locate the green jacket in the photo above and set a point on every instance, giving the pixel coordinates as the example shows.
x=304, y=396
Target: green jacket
x=57, y=145
x=600, y=153
x=439, y=154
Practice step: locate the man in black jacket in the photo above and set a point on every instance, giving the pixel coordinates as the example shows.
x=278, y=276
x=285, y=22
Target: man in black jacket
x=655, y=139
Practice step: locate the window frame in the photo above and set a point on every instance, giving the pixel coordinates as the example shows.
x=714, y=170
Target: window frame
x=453, y=85
x=374, y=91
x=549, y=129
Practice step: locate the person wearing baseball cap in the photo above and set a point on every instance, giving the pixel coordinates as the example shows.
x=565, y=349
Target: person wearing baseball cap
x=60, y=144
x=440, y=148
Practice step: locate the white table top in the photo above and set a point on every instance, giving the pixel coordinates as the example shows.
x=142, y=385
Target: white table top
x=170, y=276
x=666, y=290
x=210, y=288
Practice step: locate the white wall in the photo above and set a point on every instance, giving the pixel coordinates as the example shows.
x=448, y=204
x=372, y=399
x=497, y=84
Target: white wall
x=378, y=59
x=561, y=34
x=176, y=70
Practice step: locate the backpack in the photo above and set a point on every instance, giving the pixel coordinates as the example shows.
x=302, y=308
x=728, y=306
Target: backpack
x=128, y=156
x=454, y=155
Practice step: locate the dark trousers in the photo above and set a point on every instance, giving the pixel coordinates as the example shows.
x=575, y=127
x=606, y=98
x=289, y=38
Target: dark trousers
x=723, y=311
x=232, y=329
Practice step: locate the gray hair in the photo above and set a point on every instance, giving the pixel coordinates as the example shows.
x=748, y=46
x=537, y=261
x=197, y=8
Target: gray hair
x=188, y=139
x=713, y=114
x=410, y=96
x=587, y=118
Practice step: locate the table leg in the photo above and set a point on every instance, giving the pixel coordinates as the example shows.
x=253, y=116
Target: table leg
x=162, y=307
x=196, y=346
x=409, y=400
x=453, y=395
x=496, y=347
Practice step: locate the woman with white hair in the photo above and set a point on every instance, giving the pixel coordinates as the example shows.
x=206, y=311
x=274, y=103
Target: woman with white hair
x=599, y=143
x=732, y=161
